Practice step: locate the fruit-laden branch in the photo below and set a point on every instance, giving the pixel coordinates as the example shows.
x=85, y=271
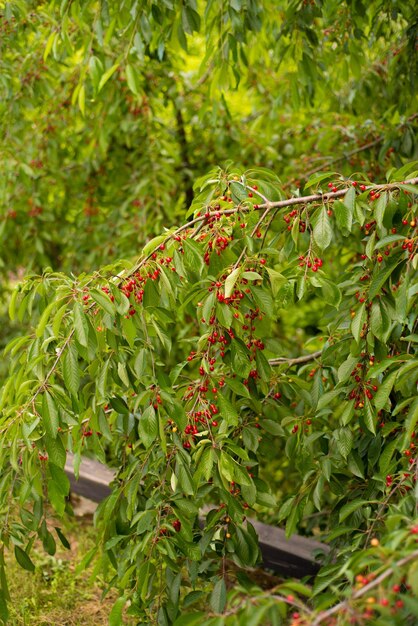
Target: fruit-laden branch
x=337, y=608
x=300, y=359
x=267, y=205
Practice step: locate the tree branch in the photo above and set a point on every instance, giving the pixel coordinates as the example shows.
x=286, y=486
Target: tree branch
x=324, y=197
x=299, y=359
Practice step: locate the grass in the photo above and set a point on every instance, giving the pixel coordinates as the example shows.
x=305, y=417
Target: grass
x=54, y=595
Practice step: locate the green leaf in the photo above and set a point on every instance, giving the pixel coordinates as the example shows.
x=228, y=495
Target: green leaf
x=322, y=232
x=263, y=300
x=343, y=216
x=115, y=616
x=350, y=200
x=240, y=358
x=379, y=208
x=245, y=545
x=346, y=368
x=132, y=79
x=381, y=275
x=56, y=323
x=384, y=390
x=60, y=478
x=108, y=74
x=80, y=325
x=227, y=410
x=148, y=426
x=226, y=467
x=239, y=193
x=370, y=245
x=412, y=418
x=205, y=464
x=70, y=370
x=249, y=275
x=62, y=538
x=50, y=418
x=237, y=387
x=263, y=366
x=103, y=301
x=82, y=100
x=12, y=303
x=218, y=596
x=273, y=428
x=4, y=611
x=232, y=471
x=56, y=451
x=224, y=314
x=327, y=397
x=369, y=416
x=185, y=478
x=358, y=322
x=355, y=464
x=348, y=413
x=153, y=244
x=143, y=521
x=317, y=178
x=350, y=508
x=24, y=559
x=231, y=281
x=192, y=254
x=44, y=319
x=277, y=280
x=119, y=405
x=49, y=44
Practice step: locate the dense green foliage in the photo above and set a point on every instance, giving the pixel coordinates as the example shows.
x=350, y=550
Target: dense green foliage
x=110, y=110
x=260, y=358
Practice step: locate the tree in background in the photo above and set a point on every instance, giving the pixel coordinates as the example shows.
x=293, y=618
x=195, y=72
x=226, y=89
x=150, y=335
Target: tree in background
x=110, y=110
x=273, y=333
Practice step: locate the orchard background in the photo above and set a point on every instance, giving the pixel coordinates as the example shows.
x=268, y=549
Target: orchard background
x=208, y=265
